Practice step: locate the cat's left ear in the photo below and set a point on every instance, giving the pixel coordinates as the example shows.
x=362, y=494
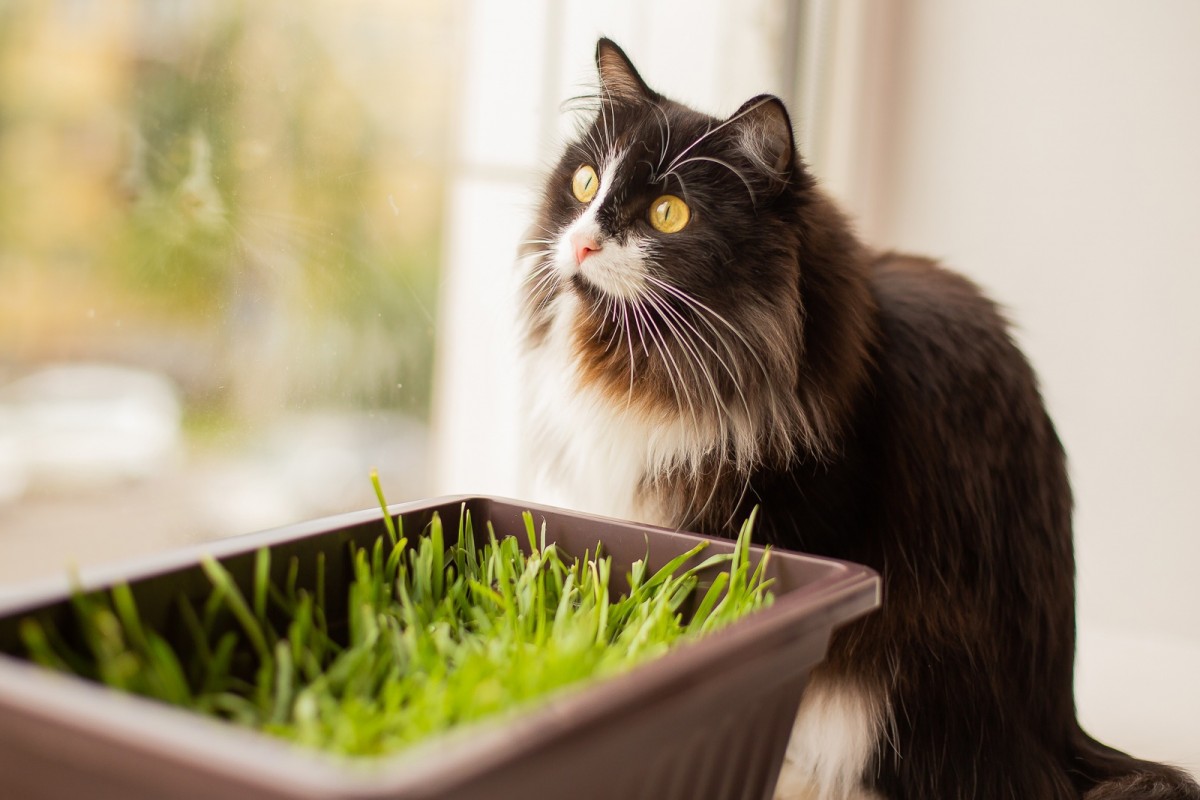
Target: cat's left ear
x=766, y=134
x=619, y=81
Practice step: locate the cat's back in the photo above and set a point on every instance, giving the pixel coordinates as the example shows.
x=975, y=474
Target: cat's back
x=968, y=455
x=934, y=322
x=945, y=354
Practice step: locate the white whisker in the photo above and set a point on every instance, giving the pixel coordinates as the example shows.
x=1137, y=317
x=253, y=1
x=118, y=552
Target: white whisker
x=707, y=312
x=629, y=338
x=681, y=388
x=737, y=173
x=665, y=129
x=691, y=339
x=713, y=130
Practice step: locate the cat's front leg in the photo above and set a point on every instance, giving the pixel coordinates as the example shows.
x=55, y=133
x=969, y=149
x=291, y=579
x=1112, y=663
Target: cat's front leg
x=836, y=733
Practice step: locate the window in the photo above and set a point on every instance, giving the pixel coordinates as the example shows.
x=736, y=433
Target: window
x=221, y=225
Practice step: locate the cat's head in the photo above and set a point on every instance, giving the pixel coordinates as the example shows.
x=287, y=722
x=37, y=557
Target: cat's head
x=666, y=258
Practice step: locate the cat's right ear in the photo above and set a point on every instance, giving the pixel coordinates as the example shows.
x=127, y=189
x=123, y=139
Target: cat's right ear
x=619, y=81
x=766, y=133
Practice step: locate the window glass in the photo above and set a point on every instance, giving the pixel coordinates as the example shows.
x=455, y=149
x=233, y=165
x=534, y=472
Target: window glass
x=220, y=232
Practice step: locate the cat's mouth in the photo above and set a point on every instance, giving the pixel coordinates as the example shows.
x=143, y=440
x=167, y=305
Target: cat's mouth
x=601, y=277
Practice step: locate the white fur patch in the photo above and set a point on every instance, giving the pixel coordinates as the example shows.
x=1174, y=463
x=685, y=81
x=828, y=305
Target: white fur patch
x=591, y=453
x=836, y=731
x=616, y=269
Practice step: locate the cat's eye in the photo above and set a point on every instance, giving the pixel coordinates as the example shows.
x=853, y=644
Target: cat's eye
x=585, y=184
x=669, y=214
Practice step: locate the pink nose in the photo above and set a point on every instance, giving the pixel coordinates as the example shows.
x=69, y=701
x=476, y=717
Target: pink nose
x=584, y=245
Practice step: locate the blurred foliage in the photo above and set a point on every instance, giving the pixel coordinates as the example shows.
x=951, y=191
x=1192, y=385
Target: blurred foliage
x=244, y=195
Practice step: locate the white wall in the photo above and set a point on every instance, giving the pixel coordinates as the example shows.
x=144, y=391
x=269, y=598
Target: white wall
x=1051, y=151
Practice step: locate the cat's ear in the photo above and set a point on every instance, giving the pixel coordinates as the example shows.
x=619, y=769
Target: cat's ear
x=766, y=134
x=619, y=81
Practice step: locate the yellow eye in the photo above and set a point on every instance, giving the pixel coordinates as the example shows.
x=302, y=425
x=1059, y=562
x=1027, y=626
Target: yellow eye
x=585, y=183
x=669, y=214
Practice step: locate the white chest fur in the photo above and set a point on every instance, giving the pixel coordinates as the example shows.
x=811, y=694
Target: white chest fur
x=589, y=452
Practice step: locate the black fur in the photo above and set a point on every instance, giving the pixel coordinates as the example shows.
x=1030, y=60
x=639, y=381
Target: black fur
x=895, y=424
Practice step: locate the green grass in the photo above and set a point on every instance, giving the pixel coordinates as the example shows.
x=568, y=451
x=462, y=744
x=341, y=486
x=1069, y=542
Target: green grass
x=436, y=636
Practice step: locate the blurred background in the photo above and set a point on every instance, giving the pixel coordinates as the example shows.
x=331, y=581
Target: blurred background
x=221, y=235
x=249, y=250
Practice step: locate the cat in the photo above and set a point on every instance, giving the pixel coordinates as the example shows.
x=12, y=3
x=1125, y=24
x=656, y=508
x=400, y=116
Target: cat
x=705, y=333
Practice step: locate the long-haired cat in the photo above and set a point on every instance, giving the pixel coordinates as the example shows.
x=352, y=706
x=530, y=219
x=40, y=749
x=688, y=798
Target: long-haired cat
x=704, y=333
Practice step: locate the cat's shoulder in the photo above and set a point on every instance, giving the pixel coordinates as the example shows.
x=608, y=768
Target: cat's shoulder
x=913, y=289
x=938, y=327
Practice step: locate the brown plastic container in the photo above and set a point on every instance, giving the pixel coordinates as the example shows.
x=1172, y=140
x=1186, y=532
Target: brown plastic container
x=709, y=720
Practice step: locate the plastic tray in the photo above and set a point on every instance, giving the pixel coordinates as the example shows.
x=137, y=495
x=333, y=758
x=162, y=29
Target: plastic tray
x=710, y=719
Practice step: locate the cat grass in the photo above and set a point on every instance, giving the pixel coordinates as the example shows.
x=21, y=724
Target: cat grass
x=436, y=636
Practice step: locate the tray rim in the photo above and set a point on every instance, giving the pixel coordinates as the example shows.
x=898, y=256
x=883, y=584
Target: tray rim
x=158, y=730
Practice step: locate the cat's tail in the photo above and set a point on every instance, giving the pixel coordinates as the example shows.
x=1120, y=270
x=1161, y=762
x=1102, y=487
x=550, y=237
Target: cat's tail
x=1107, y=774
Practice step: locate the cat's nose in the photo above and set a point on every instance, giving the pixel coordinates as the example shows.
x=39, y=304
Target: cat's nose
x=584, y=245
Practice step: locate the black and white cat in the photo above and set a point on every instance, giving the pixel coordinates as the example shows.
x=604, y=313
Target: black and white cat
x=705, y=333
